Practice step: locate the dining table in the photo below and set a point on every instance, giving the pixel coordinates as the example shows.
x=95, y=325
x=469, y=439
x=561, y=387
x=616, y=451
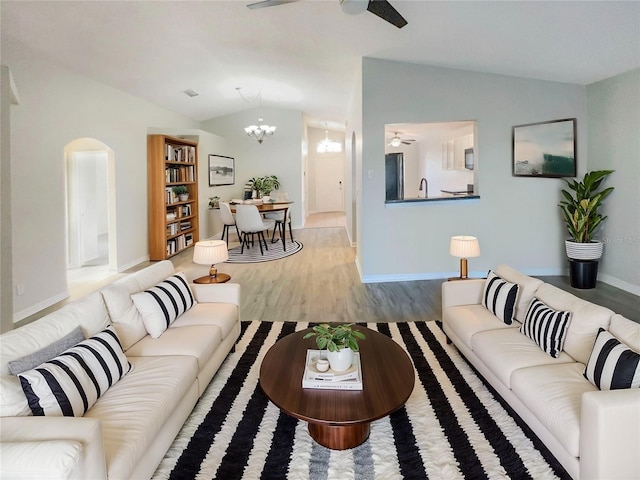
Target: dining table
x=271, y=207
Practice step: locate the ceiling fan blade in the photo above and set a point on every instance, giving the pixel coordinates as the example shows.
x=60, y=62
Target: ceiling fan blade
x=268, y=3
x=384, y=10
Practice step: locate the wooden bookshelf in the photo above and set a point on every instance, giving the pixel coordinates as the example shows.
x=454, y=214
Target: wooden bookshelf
x=173, y=223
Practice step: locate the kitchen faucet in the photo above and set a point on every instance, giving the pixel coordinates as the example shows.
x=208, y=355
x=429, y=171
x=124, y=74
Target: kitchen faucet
x=426, y=186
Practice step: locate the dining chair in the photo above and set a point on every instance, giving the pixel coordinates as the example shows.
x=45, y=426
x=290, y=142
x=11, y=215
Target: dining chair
x=279, y=218
x=227, y=220
x=250, y=222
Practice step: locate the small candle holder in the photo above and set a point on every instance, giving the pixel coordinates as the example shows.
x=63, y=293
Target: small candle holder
x=322, y=364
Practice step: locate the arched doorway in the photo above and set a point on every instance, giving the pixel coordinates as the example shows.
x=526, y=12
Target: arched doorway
x=91, y=237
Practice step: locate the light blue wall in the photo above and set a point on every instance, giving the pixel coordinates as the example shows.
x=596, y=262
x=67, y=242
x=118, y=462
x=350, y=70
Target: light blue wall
x=516, y=220
x=614, y=143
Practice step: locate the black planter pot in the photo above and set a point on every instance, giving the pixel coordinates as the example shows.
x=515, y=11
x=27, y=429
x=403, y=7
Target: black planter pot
x=583, y=273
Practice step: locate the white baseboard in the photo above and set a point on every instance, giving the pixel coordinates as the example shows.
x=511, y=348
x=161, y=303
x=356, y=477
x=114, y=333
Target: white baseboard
x=621, y=284
x=22, y=314
x=127, y=266
x=410, y=277
x=542, y=272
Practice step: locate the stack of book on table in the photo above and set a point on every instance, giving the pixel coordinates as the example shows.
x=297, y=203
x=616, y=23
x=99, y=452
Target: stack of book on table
x=350, y=379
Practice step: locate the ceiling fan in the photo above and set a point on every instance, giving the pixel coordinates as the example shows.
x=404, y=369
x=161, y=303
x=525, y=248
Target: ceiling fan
x=381, y=8
x=396, y=140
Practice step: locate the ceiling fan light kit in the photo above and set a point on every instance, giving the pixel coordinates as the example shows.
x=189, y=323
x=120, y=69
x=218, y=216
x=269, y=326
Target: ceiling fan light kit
x=396, y=141
x=380, y=8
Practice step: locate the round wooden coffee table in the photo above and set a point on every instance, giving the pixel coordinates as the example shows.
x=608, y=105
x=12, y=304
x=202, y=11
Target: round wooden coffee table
x=338, y=419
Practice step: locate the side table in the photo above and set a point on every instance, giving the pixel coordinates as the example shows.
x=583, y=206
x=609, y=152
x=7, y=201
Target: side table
x=219, y=278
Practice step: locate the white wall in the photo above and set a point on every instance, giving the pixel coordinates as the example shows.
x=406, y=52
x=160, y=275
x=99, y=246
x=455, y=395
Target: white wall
x=516, y=220
x=8, y=96
x=353, y=163
x=58, y=106
x=614, y=143
x=279, y=155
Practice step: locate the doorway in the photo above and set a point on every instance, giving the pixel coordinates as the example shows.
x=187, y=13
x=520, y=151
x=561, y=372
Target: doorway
x=91, y=240
x=329, y=183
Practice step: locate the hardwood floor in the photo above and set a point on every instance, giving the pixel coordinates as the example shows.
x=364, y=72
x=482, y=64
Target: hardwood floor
x=326, y=219
x=321, y=284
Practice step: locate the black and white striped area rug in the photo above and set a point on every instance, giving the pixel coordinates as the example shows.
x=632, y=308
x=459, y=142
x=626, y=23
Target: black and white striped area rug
x=253, y=255
x=451, y=427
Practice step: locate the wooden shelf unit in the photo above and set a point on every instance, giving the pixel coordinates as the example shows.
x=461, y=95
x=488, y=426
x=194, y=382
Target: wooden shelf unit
x=173, y=224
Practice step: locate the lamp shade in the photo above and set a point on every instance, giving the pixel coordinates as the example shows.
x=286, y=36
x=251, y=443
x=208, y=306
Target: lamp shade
x=210, y=252
x=464, y=246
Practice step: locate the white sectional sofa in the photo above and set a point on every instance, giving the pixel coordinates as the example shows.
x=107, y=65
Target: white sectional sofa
x=127, y=431
x=594, y=433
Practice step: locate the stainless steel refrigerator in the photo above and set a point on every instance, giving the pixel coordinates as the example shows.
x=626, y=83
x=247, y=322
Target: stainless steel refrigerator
x=394, y=176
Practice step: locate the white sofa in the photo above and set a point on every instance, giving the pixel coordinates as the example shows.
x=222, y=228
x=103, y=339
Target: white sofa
x=593, y=433
x=126, y=433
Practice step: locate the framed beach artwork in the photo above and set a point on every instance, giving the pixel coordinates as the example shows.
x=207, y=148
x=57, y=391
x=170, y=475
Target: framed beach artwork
x=545, y=149
x=221, y=170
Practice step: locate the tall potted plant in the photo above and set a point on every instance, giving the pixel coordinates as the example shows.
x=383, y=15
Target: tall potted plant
x=580, y=209
x=340, y=341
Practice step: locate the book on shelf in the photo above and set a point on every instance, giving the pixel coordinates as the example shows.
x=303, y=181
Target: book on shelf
x=172, y=229
x=179, y=174
x=180, y=153
x=350, y=379
x=170, y=196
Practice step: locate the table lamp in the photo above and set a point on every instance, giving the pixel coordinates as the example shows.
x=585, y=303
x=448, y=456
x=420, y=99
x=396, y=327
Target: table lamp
x=210, y=252
x=464, y=246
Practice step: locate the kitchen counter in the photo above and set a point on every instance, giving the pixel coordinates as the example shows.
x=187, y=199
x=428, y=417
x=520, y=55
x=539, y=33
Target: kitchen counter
x=446, y=197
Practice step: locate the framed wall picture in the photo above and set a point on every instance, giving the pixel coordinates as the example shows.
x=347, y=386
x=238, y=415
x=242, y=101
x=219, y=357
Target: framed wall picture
x=222, y=170
x=545, y=149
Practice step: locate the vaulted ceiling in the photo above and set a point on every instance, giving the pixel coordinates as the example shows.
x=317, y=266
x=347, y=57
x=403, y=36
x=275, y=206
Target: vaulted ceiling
x=305, y=55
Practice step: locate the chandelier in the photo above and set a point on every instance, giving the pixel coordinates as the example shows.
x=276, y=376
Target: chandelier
x=260, y=131
x=328, y=146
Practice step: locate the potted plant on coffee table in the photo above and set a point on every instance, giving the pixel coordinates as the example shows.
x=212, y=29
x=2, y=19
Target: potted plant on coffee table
x=340, y=341
x=582, y=218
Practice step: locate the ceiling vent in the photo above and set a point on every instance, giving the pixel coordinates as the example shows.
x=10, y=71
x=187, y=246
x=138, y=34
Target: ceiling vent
x=190, y=93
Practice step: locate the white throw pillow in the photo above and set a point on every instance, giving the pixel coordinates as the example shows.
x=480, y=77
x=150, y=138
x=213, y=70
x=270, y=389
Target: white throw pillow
x=612, y=364
x=162, y=304
x=547, y=327
x=71, y=383
x=499, y=297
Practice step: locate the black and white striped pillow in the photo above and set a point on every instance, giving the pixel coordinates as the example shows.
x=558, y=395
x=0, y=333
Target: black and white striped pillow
x=499, y=297
x=547, y=327
x=612, y=365
x=162, y=304
x=69, y=384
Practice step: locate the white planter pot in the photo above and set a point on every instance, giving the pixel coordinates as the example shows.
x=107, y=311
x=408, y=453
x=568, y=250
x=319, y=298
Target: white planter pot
x=583, y=251
x=340, y=360
x=183, y=197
